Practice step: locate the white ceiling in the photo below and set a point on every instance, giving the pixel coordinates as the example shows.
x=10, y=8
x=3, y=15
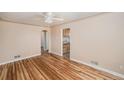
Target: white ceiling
x=36, y=18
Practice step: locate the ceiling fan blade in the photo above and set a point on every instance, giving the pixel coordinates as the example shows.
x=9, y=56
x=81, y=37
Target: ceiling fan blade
x=58, y=19
x=40, y=15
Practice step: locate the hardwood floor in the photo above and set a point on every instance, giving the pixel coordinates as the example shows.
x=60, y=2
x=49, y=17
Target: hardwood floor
x=51, y=67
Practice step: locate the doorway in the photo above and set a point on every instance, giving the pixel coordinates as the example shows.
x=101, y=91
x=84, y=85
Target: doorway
x=44, y=42
x=66, y=43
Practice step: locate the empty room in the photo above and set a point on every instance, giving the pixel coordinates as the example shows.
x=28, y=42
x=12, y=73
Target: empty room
x=61, y=46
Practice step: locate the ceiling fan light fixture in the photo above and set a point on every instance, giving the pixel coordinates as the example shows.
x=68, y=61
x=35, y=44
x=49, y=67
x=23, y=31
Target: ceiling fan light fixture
x=48, y=20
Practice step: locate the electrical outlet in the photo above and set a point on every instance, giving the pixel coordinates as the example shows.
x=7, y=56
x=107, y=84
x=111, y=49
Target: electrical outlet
x=94, y=62
x=17, y=56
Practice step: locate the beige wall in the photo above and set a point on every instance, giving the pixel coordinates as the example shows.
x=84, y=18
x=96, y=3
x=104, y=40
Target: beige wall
x=56, y=40
x=99, y=38
x=19, y=39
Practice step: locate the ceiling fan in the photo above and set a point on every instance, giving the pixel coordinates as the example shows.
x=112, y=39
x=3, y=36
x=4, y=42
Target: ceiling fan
x=49, y=18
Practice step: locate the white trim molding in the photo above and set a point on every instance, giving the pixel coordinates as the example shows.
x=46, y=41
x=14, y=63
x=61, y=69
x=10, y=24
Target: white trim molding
x=19, y=59
x=99, y=68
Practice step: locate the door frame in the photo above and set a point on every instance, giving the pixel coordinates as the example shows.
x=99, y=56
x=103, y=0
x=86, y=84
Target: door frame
x=61, y=42
x=61, y=31
x=47, y=39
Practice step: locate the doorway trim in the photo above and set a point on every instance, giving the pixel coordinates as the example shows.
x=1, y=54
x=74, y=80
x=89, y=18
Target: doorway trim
x=61, y=41
x=47, y=47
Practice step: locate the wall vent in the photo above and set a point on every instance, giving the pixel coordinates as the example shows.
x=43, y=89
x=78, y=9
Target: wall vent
x=94, y=62
x=17, y=56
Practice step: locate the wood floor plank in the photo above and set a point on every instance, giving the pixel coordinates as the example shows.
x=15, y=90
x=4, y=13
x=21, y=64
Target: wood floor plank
x=51, y=67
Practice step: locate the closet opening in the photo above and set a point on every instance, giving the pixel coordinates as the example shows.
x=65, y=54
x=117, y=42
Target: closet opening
x=66, y=43
x=44, y=42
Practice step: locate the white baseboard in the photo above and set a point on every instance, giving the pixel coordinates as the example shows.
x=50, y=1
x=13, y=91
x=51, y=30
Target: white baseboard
x=19, y=59
x=56, y=53
x=99, y=68
x=88, y=64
